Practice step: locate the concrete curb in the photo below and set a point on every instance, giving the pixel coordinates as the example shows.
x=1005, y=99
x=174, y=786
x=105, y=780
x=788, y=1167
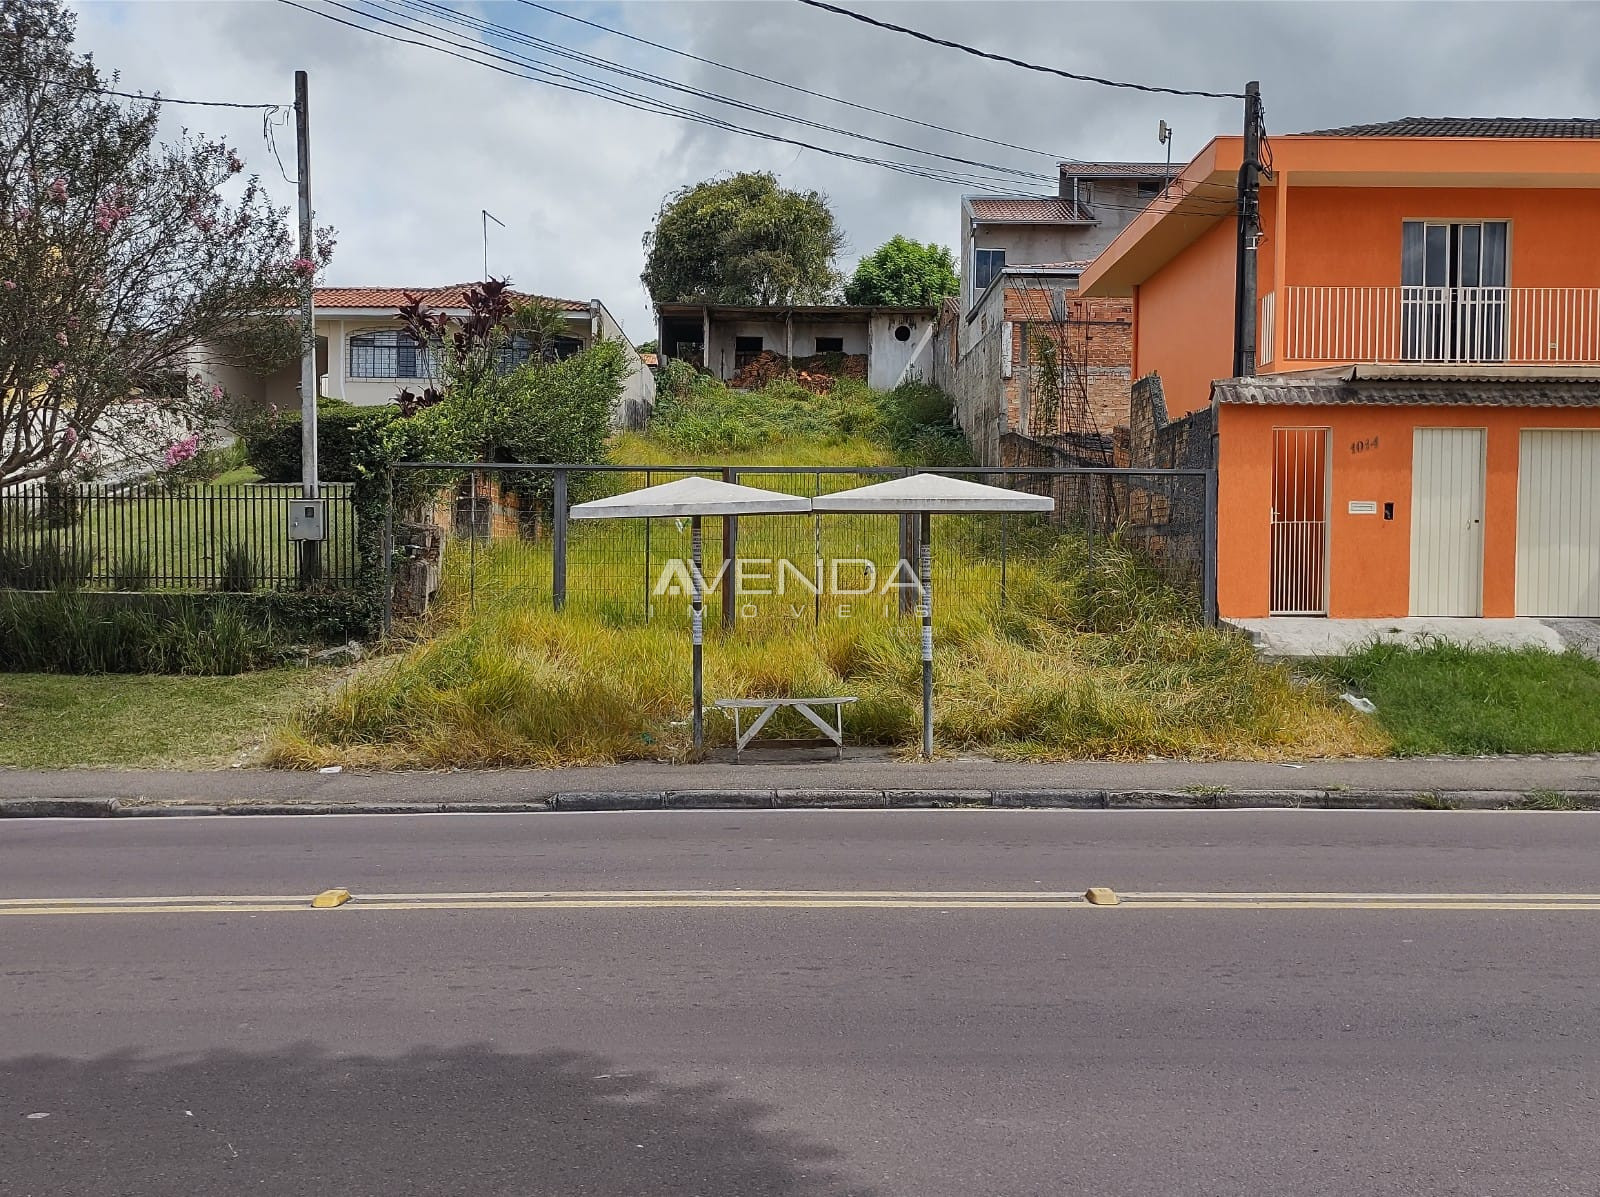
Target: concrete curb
x=822, y=799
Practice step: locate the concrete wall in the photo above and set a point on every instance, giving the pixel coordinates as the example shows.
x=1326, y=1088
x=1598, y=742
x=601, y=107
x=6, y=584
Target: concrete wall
x=639, y=388
x=1113, y=202
x=893, y=361
x=976, y=391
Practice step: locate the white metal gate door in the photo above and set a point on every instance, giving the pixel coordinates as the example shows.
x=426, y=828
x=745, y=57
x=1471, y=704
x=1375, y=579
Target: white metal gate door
x=1447, y=483
x=1558, y=523
x=1299, y=521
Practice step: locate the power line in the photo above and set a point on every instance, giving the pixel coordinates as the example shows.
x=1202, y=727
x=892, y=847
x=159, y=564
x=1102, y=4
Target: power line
x=556, y=77
x=609, y=91
x=133, y=95
x=1061, y=159
x=626, y=99
x=794, y=87
x=1017, y=62
x=503, y=32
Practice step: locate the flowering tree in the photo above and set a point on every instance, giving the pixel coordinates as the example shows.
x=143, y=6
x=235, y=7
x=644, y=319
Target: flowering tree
x=122, y=261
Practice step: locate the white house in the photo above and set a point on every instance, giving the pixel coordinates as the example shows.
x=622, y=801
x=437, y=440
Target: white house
x=723, y=338
x=365, y=357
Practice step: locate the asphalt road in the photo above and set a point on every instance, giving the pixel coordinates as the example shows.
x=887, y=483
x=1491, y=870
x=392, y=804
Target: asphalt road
x=811, y=1050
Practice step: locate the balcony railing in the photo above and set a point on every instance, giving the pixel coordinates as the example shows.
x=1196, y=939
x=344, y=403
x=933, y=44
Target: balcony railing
x=1518, y=326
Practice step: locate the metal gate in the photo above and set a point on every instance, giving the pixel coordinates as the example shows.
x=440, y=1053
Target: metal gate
x=1299, y=521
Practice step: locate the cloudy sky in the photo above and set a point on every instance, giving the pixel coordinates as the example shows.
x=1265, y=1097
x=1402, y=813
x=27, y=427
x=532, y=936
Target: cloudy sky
x=410, y=144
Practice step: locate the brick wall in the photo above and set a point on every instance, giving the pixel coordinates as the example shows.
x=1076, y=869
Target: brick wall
x=1093, y=341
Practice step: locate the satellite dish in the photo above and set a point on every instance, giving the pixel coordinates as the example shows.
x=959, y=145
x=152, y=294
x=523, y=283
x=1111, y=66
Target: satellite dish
x=1164, y=134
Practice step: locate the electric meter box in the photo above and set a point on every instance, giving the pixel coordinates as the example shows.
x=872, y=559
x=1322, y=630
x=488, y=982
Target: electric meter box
x=308, y=519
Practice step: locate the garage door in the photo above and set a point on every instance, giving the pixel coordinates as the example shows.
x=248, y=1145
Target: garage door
x=1558, y=523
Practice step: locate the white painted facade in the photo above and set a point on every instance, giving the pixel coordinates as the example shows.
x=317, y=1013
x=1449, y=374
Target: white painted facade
x=338, y=379
x=897, y=342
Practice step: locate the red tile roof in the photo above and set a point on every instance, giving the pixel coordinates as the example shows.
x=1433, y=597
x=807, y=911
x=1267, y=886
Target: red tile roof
x=451, y=296
x=1006, y=211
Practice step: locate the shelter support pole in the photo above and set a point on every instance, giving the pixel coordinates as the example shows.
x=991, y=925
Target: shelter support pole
x=730, y=554
x=926, y=572
x=697, y=580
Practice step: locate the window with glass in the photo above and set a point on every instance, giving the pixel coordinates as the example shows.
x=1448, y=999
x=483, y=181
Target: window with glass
x=986, y=264
x=1453, y=290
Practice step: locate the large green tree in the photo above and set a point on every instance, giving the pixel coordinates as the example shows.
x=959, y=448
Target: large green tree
x=123, y=262
x=743, y=239
x=904, y=273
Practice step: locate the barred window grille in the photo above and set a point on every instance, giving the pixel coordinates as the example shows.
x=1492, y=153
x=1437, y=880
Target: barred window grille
x=389, y=353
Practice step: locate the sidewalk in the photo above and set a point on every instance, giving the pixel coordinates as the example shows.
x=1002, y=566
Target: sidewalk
x=862, y=779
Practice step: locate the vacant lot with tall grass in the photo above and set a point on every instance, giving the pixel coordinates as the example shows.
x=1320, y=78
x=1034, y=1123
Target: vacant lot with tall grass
x=1084, y=657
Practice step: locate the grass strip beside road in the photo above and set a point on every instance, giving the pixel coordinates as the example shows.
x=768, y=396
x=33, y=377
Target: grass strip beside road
x=56, y=721
x=1476, y=701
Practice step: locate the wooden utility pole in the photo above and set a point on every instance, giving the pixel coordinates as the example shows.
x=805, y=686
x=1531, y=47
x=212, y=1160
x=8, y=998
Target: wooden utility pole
x=1244, y=298
x=310, y=549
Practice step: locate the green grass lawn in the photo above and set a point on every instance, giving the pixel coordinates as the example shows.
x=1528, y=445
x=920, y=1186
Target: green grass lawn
x=1443, y=698
x=54, y=721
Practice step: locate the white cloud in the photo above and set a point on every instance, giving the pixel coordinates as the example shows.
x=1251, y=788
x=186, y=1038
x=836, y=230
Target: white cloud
x=410, y=144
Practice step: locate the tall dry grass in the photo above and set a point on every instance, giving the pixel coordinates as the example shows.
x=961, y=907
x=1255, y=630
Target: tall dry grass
x=1101, y=661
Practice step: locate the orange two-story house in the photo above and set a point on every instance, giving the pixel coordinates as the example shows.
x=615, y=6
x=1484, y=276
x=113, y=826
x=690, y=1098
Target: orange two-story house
x=1423, y=433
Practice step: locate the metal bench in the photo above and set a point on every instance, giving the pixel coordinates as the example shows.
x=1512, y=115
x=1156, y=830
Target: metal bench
x=832, y=733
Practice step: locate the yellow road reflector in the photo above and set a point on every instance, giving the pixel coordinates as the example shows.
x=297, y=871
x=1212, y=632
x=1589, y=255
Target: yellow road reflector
x=329, y=898
x=1101, y=895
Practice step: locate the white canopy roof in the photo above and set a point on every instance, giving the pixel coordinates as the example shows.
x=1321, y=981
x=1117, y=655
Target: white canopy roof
x=691, y=496
x=933, y=493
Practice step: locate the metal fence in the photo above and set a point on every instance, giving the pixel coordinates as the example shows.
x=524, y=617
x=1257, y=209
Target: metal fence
x=149, y=537
x=509, y=535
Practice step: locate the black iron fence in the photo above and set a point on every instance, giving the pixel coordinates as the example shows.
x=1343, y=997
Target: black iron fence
x=509, y=533
x=149, y=537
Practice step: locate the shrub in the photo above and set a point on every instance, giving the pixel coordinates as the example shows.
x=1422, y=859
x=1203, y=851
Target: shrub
x=919, y=425
x=44, y=566
x=345, y=435
x=238, y=573
x=63, y=504
x=77, y=632
x=131, y=572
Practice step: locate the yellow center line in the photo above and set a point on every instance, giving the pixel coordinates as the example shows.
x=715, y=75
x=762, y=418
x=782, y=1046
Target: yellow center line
x=801, y=900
